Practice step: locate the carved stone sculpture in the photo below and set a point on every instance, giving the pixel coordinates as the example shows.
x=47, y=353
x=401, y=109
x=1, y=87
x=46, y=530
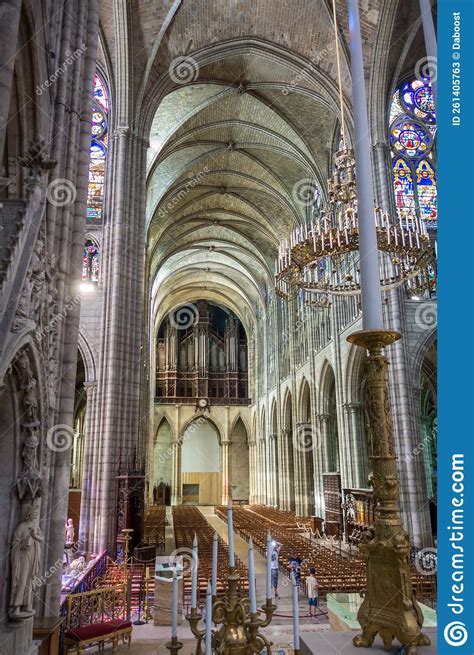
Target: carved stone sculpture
x=25, y=564
x=69, y=538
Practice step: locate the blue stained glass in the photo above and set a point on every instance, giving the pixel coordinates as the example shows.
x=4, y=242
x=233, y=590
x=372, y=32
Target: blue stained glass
x=98, y=153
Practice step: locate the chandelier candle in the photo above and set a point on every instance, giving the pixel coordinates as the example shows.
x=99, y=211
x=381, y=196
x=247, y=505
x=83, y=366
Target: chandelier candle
x=252, y=591
x=208, y=639
x=369, y=255
x=174, y=614
x=230, y=528
x=194, y=573
x=296, y=618
x=215, y=546
x=269, y=565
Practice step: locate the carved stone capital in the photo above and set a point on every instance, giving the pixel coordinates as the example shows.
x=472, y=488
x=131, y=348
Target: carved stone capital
x=37, y=163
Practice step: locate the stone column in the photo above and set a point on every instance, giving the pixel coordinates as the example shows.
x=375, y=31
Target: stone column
x=262, y=471
x=225, y=471
x=89, y=471
x=324, y=423
x=78, y=27
x=318, y=466
x=252, y=473
x=358, y=445
x=274, y=469
x=176, y=486
x=286, y=469
x=9, y=24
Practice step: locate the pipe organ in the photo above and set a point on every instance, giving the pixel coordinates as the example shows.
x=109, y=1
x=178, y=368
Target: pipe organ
x=207, y=359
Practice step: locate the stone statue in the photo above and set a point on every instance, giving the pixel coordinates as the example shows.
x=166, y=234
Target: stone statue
x=25, y=563
x=69, y=538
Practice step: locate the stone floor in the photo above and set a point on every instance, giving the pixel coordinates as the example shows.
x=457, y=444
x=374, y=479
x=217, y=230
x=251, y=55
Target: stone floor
x=316, y=636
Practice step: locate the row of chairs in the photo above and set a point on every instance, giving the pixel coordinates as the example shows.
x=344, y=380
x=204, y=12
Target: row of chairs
x=187, y=522
x=333, y=573
x=154, y=526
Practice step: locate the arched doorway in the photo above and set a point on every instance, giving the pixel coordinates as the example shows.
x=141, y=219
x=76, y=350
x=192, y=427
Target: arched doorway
x=201, y=463
x=162, y=463
x=308, y=441
x=239, y=462
x=331, y=460
x=274, y=450
x=289, y=464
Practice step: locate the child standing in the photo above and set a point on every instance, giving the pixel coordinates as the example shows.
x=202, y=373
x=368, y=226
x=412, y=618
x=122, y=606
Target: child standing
x=312, y=591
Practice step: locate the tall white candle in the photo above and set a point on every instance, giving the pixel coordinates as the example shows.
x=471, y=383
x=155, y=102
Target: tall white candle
x=230, y=529
x=215, y=546
x=174, y=612
x=194, y=573
x=269, y=565
x=208, y=640
x=252, y=591
x=296, y=618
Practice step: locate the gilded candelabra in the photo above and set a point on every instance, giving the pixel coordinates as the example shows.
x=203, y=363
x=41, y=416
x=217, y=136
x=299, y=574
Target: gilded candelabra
x=127, y=532
x=389, y=606
x=239, y=631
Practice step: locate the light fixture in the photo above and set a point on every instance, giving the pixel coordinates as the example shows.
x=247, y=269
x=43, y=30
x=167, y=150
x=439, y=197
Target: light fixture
x=322, y=259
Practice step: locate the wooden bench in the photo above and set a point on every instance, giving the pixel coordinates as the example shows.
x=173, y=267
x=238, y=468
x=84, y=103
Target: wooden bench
x=97, y=617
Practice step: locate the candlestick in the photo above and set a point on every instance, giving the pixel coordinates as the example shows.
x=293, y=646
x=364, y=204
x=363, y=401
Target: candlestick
x=208, y=638
x=174, y=613
x=269, y=565
x=194, y=573
x=215, y=546
x=252, y=592
x=296, y=618
x=230, y=528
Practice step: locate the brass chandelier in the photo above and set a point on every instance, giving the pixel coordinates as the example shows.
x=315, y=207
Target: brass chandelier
x=322, y=258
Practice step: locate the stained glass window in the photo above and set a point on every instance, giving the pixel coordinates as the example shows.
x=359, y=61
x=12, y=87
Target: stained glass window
x=98, y=153
x=412, y=133
x=410, y=138
x=90, y=262
x=403, y=185
x=426, y=189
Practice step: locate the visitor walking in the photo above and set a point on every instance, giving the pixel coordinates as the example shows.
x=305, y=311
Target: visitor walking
x=312, y=591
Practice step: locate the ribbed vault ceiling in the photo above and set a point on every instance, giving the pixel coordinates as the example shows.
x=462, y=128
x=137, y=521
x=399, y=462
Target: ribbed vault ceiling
x=227, y=156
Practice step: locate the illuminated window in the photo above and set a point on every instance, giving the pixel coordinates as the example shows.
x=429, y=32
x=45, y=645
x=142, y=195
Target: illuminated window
x=412, y=133
x=98, y=153
x=90, y=262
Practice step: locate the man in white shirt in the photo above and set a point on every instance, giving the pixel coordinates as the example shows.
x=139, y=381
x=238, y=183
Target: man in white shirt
x=312, y=591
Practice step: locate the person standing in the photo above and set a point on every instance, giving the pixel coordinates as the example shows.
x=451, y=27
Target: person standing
x=312, y=591
x=275, y=566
